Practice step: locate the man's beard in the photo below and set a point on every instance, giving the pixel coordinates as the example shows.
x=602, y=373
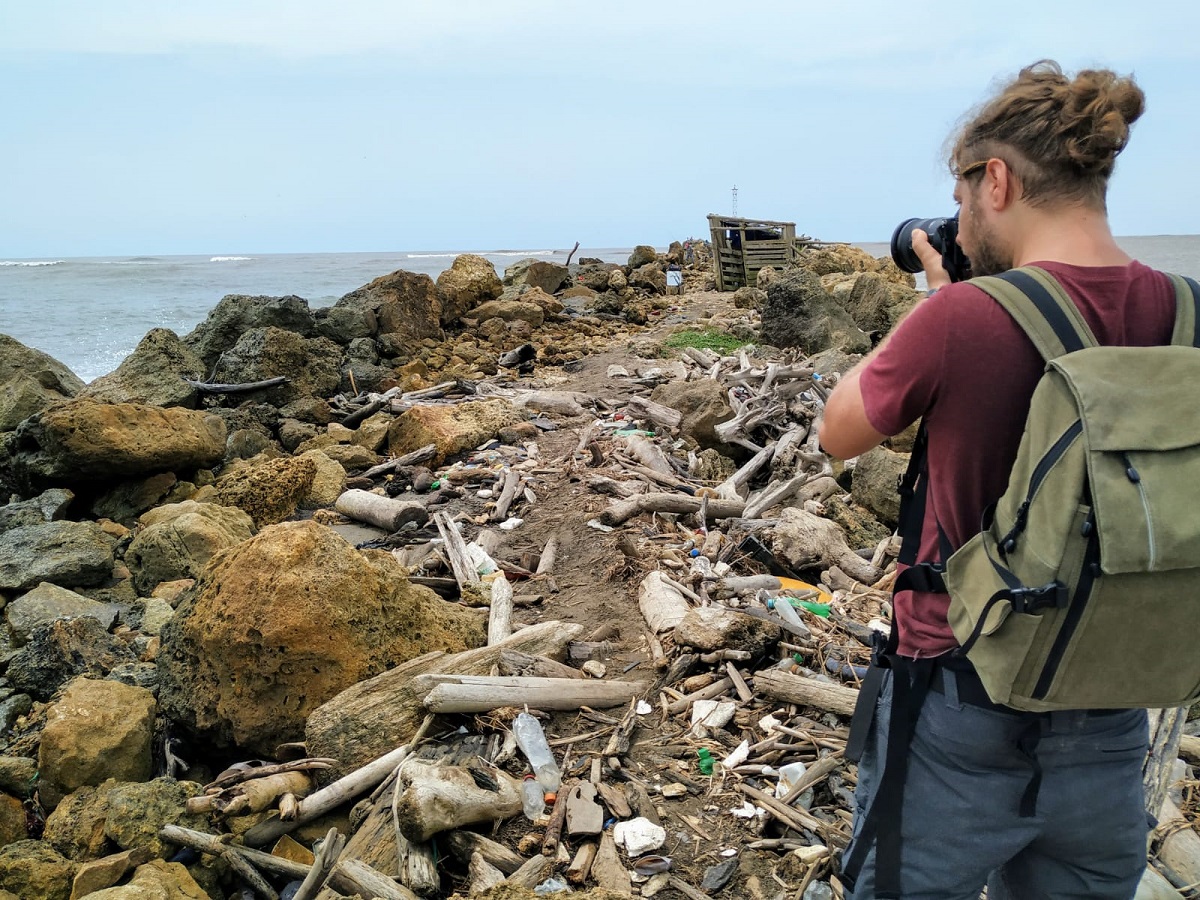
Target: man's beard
x=987, y=257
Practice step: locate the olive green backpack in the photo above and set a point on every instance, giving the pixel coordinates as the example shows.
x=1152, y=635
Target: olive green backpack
x=1082, y=591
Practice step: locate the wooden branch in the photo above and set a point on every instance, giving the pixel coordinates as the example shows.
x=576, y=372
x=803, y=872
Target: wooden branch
x=513, y=662
x=641, y=408
x=1166, y=728
x=352, y=876
x=214, y=846
x=465, y=844
x=456, y=551
x=424, y=454
x=558, y=818
x=714, y=690
x=533, y=872
x=620, y=489
x=243, y=388
x=326, y=859
x=261, y=793
x=481, y=693
x=508, y=493
x=648, y=454
x=383, y=512
x=581, y=865
x=773, y=495
x=826, y=696
x=619, y=513
x=662, y=605
x=1179, y=852
x=572, y=253
x=440, y=798
x=482, y=875
x=501, y=610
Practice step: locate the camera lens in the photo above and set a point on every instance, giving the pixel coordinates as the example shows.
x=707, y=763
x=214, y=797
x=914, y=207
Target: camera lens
x=902, y=247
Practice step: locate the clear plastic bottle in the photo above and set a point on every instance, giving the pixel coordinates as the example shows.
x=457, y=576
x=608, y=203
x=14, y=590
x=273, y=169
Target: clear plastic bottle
x=784, y=609
x=532, y=741
x=532, y=798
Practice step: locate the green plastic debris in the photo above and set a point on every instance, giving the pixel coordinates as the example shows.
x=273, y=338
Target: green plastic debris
x=817, y=609
x=706, y=761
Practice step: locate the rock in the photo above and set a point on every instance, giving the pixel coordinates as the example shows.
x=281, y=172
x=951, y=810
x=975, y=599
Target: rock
x=452, y=429
x=509, y=311
x=48, y=602
x=863, y=530
x=650, y=277
x=372, y=432
x=704, y=405
x=269, y=491
x=137, y=810
x=403, y=304
x=98, y=874
x=750, y=297
x=177, y=541
x=765, y=276
x=18, y=775
x=876, y=475
x=877, y=304
x=75, y=828
x=63, y=553
x=97, y=730
x=595, y=276
x=329, y=480
x=156, y=880
x=150, y=615
x=49, y=506
x=63, y=649
x=129, y=499
x=239, y=313
x=12, y=820
x=351, y=457
x=155, y=373
x=30, y=380
x=537, y=273
x=549, y=304
x=246, y=443
x=641, y=255
x=285, y=621
x=833, y=258
x=618, y=281
x=84, y=439
x=12, y=709
x=716, y=627
x=799, y=312
x=312, y=365
x=172, y=591
x=470, y=281
x=34, y=869
x=293, y=433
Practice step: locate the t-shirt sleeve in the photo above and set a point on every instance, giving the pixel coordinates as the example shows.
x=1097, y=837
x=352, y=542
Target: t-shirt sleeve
x=899, y=384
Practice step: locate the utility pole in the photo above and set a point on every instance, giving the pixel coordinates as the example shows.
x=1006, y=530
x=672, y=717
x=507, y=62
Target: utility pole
x=735, y=200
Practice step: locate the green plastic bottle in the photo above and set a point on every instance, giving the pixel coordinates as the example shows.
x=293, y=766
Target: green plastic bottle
x=706, y=761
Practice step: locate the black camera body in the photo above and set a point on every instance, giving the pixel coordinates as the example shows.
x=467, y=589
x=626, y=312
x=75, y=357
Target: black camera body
x=943, y=234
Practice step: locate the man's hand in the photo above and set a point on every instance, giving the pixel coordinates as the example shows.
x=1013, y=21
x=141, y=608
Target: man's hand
x=931, y=260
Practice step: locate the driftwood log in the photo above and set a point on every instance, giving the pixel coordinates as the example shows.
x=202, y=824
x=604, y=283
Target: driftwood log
x=465, y=844
x=436, y=798
x=619, y=513
x=500, y=611
x=512, y=662
x=806, y=541
x=779, y=685
x=423, y=454
x=666, y=416
x=371, y=717
x=662, y=604
x=382, y=512
x=245, y=387
x=482, y=693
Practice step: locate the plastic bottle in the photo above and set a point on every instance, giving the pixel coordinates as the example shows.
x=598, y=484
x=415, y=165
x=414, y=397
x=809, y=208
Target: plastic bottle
x=532, y=742
x=785, y=611
x=706, y=761
x=532, y=798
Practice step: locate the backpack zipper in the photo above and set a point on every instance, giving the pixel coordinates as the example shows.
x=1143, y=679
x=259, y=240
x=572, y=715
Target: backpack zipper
x=1132, y=474
x=1083, y=591
x=1008, y=543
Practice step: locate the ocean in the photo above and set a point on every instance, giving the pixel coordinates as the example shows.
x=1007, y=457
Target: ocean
x=89, y=313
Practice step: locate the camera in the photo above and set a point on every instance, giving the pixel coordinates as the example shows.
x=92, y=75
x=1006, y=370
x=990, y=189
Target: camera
x=942, y=233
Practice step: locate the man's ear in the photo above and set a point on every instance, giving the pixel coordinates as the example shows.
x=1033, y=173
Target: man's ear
x=1001, y=184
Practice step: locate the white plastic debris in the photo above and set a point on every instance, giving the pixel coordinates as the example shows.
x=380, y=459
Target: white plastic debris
x=644, y=708
x=788, y=776
x=484, y=493
x=729, y=852
x=594, y=668
x=638, y=836
x=484, y=564
x=511, y=523
x=738, y=756
x=747, y=811
x=599, y=526
x=768, y=723
x=712, y=713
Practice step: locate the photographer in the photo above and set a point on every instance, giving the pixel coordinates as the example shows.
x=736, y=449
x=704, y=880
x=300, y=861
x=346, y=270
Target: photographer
x=1031, y=175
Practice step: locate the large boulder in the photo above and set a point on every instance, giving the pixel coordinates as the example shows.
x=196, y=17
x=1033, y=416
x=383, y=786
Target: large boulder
x=75, y=828
x=286, y=620
x=155, y=880
x=649, y=277
x=63, y=649
x=704, y=405
x=404, y=304
x=469, y=281
x=155, y=373
x=594, y=276
x=642, y=254
x=33, y=869
x=30, y=380
x=269, y=490
x=799, y=312
x=97, y=730
x=138, y=810
x=510, y=311
x=876, y=303
x=48, y=602
x=83, y=439
x=237, y=314
x=127, y=500
x=71, y=554
x=311, y=365
x=178, y=540
x=452, y=429
x=48, y=506
x=836, y=258
x=549, y=276
x=876, y=474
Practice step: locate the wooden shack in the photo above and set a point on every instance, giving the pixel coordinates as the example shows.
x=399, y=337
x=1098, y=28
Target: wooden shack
x=741, y=247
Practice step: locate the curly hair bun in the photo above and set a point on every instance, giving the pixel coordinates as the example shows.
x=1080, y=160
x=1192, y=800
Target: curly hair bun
x=1097, y=112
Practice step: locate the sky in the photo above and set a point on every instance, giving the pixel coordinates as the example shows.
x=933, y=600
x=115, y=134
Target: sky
x=261, y=126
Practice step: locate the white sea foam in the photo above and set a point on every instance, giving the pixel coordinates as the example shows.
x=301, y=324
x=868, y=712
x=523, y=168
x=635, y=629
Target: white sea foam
x=230, y=258
x=430, y=255
x=24, y=264
x=521, y=253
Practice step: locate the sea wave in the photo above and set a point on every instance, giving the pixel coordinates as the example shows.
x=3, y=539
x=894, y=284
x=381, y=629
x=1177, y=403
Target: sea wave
x=230, y=258
x=522, y=253
x=24, y=264
x=430, y=255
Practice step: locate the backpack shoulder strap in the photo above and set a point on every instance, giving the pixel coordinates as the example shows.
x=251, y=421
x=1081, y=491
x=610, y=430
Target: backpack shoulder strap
x=1042, y=308
x=1187, y=312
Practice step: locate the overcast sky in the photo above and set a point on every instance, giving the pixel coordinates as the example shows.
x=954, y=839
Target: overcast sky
x=258, y=126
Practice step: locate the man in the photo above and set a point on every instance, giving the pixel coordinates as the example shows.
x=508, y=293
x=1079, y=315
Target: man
x=1031, y=174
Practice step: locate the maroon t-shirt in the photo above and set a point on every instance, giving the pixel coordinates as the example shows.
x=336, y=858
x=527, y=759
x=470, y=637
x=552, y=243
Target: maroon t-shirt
x=960, y=361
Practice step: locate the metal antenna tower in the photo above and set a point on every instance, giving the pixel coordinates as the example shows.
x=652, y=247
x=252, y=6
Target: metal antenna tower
x=734, y=200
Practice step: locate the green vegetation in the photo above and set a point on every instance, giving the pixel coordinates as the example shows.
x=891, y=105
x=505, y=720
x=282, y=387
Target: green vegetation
x=707, y=339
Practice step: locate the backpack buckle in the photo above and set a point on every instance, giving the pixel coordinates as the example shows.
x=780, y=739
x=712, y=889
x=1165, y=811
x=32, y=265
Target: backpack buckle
x=1031, y=600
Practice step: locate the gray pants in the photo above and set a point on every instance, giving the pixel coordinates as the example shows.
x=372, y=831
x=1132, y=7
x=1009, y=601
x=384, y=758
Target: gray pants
x=961, y=827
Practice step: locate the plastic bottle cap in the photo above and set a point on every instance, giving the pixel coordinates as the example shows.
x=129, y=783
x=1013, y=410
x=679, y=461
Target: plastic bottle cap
x=551, y=797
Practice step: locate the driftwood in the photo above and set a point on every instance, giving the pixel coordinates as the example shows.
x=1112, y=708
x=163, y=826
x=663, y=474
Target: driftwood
x=508, y=493
x=619, y=513
x=352, y=876
x=482, y=693
x=424, y=454
x=648, y=454
x=513, y=662
x=779, y=685
x=620, y=489
x=382, y=512
x=608, y=870
x=215, y=846
x=773, y=495
x=439, y=798
x=371, y=717
x=326, y=859
x=804, y=540
x=244, y=388
x=1166, y=727
x=500, y=612
x=456, y=551
x=482, y=875
x=666, y=416
x=261, y=793
x=533, y=872
x=581, y=865
x=662, y=604
x=1179, y=847
x=465, y=844
x=732, y=585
